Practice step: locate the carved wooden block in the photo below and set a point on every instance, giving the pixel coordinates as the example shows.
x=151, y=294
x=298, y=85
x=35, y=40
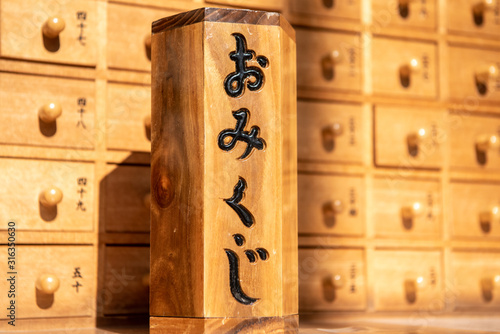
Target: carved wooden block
x=224, y=183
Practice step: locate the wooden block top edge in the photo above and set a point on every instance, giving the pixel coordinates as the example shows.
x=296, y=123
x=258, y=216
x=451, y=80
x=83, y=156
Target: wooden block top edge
x=223, y=15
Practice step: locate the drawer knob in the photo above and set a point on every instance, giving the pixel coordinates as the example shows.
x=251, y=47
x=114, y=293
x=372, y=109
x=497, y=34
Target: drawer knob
x=407, y=70
x=147, y=201
x=330, y=211
x=53, y=27
x=409, y=213
x=50, y=197
x=147, y=126
x=412, y=285
x=485, y=143
x=479, y=9
x=329, y=134
x=488, y=286
x=484, y=76
x=330, y=286
x=50, y=112
x=414, y=141
x=328, y=63
x=486, y=218
x=328, y=3
x=47, y=283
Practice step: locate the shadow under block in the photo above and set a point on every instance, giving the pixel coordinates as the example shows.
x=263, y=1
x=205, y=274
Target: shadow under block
x=224, y=172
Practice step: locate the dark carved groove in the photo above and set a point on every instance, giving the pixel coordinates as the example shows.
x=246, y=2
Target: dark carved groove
x=234, y=280
x=263, y=254
x=239, y=239
x=252, y=257
x=234, y=202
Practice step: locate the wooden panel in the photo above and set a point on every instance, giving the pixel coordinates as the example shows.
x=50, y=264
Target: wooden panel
x=407, y=208
x=476, y=280
x=126, y=283
x=330, y=132
x=462, y=18
x=328, y=61
x=475, y=210
x=24, y=181
x=275, y=5
x=331, y=280
x=407, y=280
x=392, y=58
x=405, y=14
x=469, y=81
x=19, y=112
x=128, y=117
x=331, y=205
x=466, y=131
x=127, y=198
x=21, y=31
x=64, y=263
x=409, y=137
x=339, y=9
x=127, y=38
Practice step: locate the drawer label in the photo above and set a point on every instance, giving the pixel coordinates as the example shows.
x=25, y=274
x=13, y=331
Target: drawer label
x=81, y=17
x=352, y=275
x=352, y=202
x=81, y=103
x=77, y=275
x=81, y=190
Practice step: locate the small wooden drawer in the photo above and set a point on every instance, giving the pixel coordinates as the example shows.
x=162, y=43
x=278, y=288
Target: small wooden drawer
x=474, y=141
x=474, y=74
x=45, y=195
x=476, y=280
x=275, y=5
x=44, y=111
x=407, y=280
x=129, y=40
x=127, y=198
x=331, y=205
x=474, y=17
x=129, y=117
x=420, y=14
x=328, y=60
x=26, y=33
x=404, y=68
x=71, y=266
x=337, y=9
x=330, y=132
x=407, y=136
x=406, y=208
x=126, y=280
x=475, y=209
x=331, y=279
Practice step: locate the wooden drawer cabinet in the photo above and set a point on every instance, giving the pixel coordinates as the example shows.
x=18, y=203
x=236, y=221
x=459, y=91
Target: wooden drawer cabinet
x=72, y=266
x=45, y=195
x=331, y=280
x=127, y=198
x=475, y=209
x=129, y=40
x=407, y=280
x=419, y=14
x=328, y=61
x=25, y=33
x=129, y=117
x=474, y=141
x=331, y=205
x=476, y=280
x=56, y=112
x=334, y=9
x=330, y=132
x=414, y=136
x=406, y=208
x=474, y=73
x=126, y=280
x=474, y=17
x=404, y=68
x=275, y=5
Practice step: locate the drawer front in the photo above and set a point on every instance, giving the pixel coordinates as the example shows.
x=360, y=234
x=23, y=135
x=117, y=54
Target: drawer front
x=24, y=183
x=126, y=287
x=22, y=23
x=406, y=69
x=474, y=73
x=331, y=205
x=340, y=9
x=129, y=42
x=407, y=280
x=417, y=140
x=471, y=143
x=475, y=210
x=129, y=117
x=331, y=279
x=275, y=5
x=23, y=111
x=328, y=60
x=419, y=14
x=72, y=266
x=127, y=198
x=330, y=132
x=406, y=208
x=476, y=279
x=474, y=17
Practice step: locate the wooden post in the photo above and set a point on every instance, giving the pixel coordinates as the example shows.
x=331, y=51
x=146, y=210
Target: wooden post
x=224, y=173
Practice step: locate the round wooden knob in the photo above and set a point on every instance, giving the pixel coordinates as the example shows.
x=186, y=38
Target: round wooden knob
x=330, y=285
x=415, y=139
x=50, y=197
x=328, y=63
x=336, y=129
x=53, y=27
x=50, y=112
x=487, y=142
x=411, y=68
x=411, y=211
x=147, y=200
x=47, y=283
x=333, y=208
x=483, y=5
x=485, y=74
